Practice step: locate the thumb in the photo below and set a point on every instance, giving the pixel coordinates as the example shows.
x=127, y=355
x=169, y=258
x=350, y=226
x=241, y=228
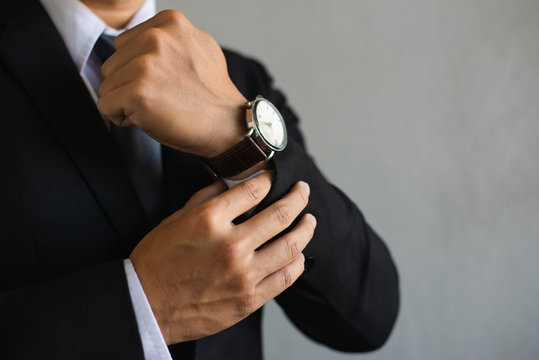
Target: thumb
x=198, y=198
x=205, y=194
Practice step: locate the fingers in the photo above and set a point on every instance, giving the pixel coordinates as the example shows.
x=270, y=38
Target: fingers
x=277, y=217
x=119, y=104
x=116, y=80
x=218, y=187
x=112, y=105
x=243, y=197
x=123, y=56
x=149, y=37
x=284, y=250
x=166, y=17
x=280, y=280
x=138, y=68
x=198, y=198
x=132, y=33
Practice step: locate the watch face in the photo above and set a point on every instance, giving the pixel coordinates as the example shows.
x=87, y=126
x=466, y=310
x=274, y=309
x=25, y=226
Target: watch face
x=270, y=124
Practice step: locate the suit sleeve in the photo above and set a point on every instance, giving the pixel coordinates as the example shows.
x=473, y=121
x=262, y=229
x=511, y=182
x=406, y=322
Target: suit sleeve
x=82, y=315
x=350, y=298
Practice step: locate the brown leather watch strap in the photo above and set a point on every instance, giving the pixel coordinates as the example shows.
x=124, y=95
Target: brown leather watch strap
x=239, y=158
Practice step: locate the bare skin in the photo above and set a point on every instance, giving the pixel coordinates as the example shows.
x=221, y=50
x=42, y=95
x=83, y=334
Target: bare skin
x=200, y=272
x=170, y=79
x=115, y=13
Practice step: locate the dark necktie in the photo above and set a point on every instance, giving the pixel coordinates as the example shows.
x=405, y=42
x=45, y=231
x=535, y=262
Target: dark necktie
x=140, y=153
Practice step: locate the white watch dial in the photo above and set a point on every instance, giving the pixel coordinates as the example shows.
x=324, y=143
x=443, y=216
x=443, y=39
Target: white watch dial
x=270, y=124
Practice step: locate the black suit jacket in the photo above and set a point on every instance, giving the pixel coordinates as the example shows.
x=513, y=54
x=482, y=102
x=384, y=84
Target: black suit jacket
x=69, y=215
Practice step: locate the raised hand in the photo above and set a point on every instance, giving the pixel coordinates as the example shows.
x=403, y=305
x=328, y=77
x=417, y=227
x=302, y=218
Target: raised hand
x=170, y=79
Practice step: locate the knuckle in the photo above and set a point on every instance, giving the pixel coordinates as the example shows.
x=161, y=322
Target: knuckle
x=282, y=215
x=231, y=253
x=243, y=281
x=291, y=246
x=143, y=63
x=287, y=279
x=251, y=191
x=138, y=94
x=173, y=17
x=102, y=105
x=208, y=216
x=248, y=303
x=153, y=37
x=207, y=38
x=222, y=203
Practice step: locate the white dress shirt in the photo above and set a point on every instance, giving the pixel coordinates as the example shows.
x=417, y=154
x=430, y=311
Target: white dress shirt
x=80, y=28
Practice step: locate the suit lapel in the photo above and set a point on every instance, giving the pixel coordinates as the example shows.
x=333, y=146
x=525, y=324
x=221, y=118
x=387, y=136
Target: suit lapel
x=33, y=50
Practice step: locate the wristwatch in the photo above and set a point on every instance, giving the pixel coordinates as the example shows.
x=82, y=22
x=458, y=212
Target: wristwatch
x=266, y=135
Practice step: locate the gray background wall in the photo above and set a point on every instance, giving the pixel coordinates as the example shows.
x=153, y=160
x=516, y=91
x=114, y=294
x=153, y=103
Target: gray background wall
x=427, y=114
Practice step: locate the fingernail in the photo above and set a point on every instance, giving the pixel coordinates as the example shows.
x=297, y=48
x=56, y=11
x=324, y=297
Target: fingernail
x=307, y=187
x=309, y=263
x=311, y=219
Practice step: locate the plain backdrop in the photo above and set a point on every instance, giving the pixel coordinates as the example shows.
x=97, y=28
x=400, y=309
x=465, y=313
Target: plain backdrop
x=426, y=113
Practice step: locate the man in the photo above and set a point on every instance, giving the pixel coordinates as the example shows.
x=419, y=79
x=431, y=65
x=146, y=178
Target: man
x=108, y=253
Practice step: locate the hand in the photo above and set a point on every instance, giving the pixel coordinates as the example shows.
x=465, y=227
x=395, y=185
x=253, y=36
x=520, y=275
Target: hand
x=170, y=79
x=201, y=272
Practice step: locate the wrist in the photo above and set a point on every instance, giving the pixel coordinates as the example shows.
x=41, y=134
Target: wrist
x=266, y=135
x=263, y=165
x=230, y=129
x=156, y=300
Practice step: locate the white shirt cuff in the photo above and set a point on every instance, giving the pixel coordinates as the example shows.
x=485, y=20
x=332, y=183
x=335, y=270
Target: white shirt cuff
x=231, y=183
x=153, y=342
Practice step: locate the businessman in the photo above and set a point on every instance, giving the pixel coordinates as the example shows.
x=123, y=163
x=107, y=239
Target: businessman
x=114, y=241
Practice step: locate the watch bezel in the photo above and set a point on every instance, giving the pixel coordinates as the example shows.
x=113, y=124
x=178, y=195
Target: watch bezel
x=254, y=124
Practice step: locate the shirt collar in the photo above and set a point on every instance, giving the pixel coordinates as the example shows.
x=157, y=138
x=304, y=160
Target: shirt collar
x=80, y=27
